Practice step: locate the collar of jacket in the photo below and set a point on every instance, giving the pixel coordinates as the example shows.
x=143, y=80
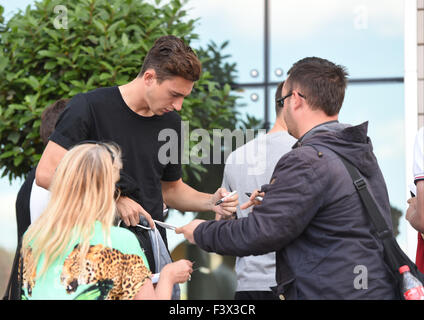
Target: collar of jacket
x=321, y=127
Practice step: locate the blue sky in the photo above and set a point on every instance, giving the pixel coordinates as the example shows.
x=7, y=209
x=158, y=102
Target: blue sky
x=366, y=36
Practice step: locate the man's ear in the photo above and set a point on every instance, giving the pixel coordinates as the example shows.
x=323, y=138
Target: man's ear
x=297, y=100
x=149, y=76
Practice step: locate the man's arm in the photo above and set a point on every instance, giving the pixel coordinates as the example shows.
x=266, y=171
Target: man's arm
x=274, y=223
x=178, y=195
x=49, y=161
x=128, y=209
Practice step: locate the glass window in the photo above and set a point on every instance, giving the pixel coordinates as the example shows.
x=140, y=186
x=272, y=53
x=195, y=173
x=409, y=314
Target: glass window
x=241, y=22
x=364, y=36
x=251, y=103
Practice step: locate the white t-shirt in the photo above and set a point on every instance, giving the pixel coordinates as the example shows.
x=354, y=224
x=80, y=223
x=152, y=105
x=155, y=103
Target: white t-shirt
x=38, y=201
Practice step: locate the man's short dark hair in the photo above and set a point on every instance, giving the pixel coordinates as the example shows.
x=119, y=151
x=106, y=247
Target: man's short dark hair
x=322, y=82
x=49, y=118
x=278, y=94
x=171, y=57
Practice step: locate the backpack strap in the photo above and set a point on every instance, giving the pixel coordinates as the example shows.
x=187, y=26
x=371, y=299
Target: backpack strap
x=383, y=231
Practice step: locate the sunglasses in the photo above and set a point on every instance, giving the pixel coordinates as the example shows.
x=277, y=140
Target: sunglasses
x=280, y=101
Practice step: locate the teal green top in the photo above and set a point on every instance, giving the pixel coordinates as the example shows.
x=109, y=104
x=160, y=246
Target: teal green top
x=111, y=272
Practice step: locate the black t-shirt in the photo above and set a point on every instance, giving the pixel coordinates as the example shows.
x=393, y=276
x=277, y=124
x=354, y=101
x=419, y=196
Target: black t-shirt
x=103, y=115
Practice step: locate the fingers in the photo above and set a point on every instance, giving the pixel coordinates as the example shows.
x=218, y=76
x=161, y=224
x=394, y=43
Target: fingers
x=134, y=219
x=231, y=201
x=130, y=212
x=181, y=270
x=188, y=230
x=189, y=269
x=228, y=212
x=179, y=230
x=252, y=200
x=247, y=204
x=126, y=221
x=148, y=217
x=229, y=205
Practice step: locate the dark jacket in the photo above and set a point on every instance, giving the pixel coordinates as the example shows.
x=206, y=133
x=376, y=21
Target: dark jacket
x=313, y=218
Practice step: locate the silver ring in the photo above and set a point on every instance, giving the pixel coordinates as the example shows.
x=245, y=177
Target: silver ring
x=189, y=277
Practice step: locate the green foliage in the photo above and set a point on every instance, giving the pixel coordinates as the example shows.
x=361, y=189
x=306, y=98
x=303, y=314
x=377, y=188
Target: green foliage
x=104, y=44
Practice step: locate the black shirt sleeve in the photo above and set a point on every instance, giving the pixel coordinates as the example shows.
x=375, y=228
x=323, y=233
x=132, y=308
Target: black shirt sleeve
x=73, y=124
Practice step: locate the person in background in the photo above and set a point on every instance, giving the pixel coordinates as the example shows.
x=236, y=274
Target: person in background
x=415, y=212
x=31, y=198
x=256, y=274
x=73, y=251
x=311, y=213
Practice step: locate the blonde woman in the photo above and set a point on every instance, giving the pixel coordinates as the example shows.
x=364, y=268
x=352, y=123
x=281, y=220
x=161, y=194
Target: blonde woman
x=73, y=251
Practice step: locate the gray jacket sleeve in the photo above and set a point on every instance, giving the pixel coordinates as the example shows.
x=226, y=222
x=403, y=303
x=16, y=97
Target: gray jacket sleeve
x=291, y=200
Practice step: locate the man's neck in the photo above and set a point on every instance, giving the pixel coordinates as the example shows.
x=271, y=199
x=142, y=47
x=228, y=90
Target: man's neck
x=278, y=126
x=133, y=95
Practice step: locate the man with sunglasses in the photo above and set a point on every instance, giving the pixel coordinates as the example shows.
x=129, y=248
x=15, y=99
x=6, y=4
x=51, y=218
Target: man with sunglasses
x=311, y=214
x=133, y=115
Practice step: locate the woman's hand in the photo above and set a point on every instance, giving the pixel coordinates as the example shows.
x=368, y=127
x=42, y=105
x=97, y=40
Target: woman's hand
x=178, y=271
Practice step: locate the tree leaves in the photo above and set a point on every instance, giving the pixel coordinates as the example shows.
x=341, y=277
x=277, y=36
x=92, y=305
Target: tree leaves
x=104, y=44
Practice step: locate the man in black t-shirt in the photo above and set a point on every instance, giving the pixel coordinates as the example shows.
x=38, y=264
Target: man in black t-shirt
x=133, y=115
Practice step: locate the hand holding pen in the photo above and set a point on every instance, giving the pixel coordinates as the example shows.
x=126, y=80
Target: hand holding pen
x=224, y=203
x=255, y=198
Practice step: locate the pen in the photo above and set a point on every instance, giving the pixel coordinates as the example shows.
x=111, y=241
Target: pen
x=259, y=198
x=227, y=196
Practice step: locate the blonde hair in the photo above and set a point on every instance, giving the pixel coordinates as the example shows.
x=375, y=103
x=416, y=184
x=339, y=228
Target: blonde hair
x=82, y=192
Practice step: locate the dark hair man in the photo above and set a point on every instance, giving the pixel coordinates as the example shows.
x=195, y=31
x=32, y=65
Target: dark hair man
x=132, y=115
x=311, y=214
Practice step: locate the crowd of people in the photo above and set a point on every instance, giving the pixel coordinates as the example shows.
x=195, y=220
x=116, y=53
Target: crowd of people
x=299, y=231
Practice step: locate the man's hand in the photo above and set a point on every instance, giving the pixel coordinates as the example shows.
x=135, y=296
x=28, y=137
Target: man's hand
x=130, y=212
x=228, y=207
x=252, y=201
x=188, y=230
